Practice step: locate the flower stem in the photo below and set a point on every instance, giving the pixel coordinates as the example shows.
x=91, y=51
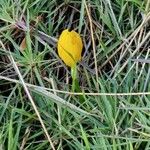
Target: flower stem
x=75, y=83
x=74, y=77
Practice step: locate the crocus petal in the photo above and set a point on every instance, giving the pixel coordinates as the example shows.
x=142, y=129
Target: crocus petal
x=70, y=47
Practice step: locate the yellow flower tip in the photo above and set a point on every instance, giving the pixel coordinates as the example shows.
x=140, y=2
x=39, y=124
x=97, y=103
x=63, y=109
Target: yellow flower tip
x=70, y=47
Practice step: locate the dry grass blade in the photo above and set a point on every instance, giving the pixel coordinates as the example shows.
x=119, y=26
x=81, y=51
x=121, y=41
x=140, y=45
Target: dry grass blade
x=93, y=42
x=142, y=68
x=31, y=100
x=60, y=100
x=74, y=93
x=126, y=41
x=135, y=51
x=141, y=60
x=44, y=91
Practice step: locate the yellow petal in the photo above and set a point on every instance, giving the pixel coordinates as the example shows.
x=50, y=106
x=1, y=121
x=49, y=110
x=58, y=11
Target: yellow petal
x=70, y=47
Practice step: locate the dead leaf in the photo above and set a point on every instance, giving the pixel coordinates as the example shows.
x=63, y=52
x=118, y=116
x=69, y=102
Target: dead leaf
x=23, y=45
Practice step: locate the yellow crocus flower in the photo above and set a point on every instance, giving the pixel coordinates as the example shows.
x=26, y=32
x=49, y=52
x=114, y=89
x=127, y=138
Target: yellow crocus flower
x=70, y=47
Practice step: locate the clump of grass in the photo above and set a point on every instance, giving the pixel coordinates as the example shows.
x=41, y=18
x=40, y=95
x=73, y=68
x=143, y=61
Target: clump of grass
x=38, y=110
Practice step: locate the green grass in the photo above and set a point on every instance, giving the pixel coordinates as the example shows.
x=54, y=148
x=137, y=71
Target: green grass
x=38, y=110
